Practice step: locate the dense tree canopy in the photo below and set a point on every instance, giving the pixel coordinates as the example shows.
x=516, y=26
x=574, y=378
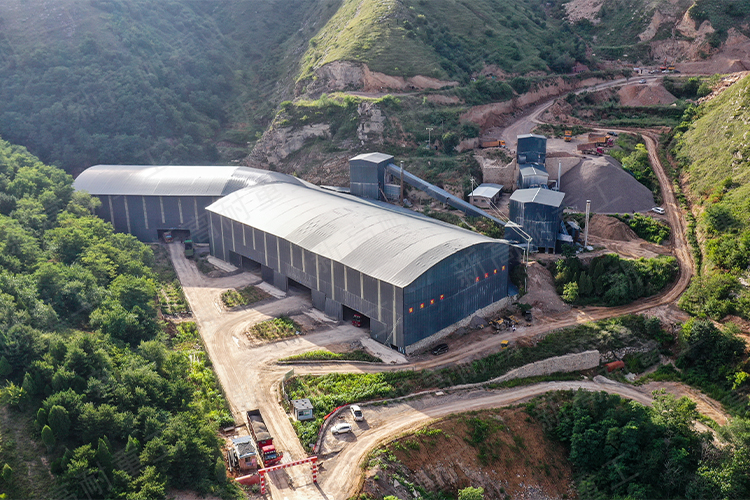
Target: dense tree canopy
x=114, y=387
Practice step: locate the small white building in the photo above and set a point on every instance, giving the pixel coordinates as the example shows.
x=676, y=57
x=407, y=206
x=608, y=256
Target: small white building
x=303, y=409
x=486, y=195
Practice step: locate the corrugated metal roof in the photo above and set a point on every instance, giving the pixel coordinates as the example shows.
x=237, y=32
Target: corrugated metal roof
x=487, y=190
x=172, y=180
x=388, y=244
x=538, y=195
x=532, y=169
x=373, y=157
x=526, y=136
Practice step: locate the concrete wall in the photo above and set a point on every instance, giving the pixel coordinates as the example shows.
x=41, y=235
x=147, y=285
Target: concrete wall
x=567, y=363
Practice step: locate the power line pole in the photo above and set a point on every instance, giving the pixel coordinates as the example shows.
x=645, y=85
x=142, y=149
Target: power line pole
x=429, y=136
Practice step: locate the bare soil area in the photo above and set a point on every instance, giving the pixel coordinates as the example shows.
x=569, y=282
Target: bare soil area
x=610, y=228
x=442, y=457
x=542, y=295
x=650, y=94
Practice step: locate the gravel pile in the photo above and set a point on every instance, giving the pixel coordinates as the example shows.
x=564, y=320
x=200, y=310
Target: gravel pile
x=610, y=189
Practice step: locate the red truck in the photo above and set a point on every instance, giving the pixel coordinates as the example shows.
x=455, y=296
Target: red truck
x=263, y=439
x=590, y=148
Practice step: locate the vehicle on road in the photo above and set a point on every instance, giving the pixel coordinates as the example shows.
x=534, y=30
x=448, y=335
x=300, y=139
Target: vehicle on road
x=613, y=134
x=658, y=210
x=341, y=428
x=263, y=440
x=568, y=135
x=504, y=344
x=189, y=250
x=357, y=414
x=642, y=80
x=590, y=149
x=440, y=349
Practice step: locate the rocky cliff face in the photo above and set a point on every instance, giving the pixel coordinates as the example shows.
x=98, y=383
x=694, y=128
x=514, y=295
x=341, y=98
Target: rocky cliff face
x=345, y=75
x=278, y=143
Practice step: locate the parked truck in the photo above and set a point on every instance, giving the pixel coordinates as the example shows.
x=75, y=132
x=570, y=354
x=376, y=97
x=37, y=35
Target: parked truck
x=263, y=439
x=492, y=143
x=601, y=140
x=590, y=148
x=568, y=135
x=189, y=250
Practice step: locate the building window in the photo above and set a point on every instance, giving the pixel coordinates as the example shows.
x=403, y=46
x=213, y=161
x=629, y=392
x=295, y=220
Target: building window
x=477, y=280
x=421, y=306
x=442, y=296
x=432, y=301
x=411, y=309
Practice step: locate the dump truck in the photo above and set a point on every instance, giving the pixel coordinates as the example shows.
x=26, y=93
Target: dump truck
x=493, y=143
x=189, y=250
x=601, y=140
x=568, y=135
x=590, y=148
x=263, y=439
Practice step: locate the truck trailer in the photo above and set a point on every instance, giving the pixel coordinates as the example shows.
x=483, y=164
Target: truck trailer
x=590, y=148
x=263, y=440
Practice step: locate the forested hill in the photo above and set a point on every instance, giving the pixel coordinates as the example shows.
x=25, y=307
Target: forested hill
x=712, y=149
x=196, y=81
x=137, y=81
x=89, y=379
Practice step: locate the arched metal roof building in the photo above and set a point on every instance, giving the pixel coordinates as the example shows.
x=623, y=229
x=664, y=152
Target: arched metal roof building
x=146, y=200
x=411, y=275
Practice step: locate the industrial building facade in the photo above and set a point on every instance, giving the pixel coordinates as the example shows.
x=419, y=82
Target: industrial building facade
x=410, y=275
x=145, y=200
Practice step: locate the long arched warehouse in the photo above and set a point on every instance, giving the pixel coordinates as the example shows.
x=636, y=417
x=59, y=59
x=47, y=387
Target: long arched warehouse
x=412, y=276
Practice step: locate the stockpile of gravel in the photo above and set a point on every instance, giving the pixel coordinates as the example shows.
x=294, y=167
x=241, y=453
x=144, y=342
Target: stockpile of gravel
x=610, y=189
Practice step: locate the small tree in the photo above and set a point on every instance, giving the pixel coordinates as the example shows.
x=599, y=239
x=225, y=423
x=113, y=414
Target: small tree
x=471, y=493
x=48, y=437
x=450, y=141
x=570, y=292
x=7, y=474
x=59, y=421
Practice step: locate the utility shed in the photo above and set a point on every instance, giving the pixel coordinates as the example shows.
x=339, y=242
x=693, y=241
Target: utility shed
x=539, y=212
x=244, y=448
x=410, y=275
x=486, y=195
x=146, y=200
x=531, y=148
x=303, y=409
x=532, y=175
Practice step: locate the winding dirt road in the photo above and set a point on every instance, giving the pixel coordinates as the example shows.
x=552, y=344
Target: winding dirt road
x=250, y=377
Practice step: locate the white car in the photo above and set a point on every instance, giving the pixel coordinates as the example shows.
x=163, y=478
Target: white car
x=341, y=428
x=356, y=413
x=658, y=210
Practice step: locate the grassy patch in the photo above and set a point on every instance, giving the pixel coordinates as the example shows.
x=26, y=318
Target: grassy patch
x=321, y=354
x=326, y=392
x=646, y=227
x=162, y=267
x=243, y=296
x=30, y=479
x=273, y=329
x=172, y=299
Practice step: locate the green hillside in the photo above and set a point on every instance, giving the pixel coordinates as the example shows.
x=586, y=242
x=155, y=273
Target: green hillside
x=446, y=38
x=713, y=152
x=115, y=81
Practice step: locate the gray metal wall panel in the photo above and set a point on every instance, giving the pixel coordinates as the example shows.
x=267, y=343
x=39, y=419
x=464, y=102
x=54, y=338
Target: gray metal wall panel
x=266, y=273
x=171, y=212
x=217, y=249
x=285, y=251
x=297, y=257
x=334, y=309
x=318, y=300
x=280, y=281
x=325, y=275
x=309, y=262
x=120, y=220
x=370, y=286
x=272, y=251
x=454, y=289
x=352, y=282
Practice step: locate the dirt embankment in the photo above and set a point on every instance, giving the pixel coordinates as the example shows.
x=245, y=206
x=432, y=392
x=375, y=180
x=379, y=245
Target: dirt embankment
x=511, y=456
x=610, y=228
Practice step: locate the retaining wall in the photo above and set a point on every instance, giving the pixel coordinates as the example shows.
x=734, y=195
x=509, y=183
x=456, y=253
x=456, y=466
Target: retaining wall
x=566, y=363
